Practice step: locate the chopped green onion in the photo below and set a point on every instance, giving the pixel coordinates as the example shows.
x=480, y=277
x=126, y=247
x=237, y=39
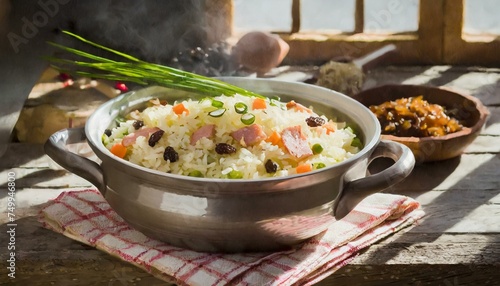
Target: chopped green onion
x=235, y=175
x=105, y=139
x=217, y=113
x=248, y=118
x=240, y=107
x=351, y=128
x=120, y=119
x=318, y=166
x=274, y=100
x=196, y=173
x=317, y=148
x=203, y=99
x=356, y=142
x=216, y=103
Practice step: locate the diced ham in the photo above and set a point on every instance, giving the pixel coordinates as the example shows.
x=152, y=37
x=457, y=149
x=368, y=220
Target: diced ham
x=130, y=138
x=249, y=135
x=298, y=107
x=204, y=131
x=295, y=142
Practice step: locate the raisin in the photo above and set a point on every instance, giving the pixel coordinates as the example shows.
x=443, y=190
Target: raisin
x=138, y=124
x=223, y=148
x=314, y=121
x=271, y=167
x=170, y=155
x=155, y=137
x=107, y=132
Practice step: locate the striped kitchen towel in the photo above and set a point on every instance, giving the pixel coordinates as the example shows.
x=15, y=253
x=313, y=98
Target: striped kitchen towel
x=86, y=217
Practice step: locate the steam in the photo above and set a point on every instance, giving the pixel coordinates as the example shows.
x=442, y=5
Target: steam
x=152, y=30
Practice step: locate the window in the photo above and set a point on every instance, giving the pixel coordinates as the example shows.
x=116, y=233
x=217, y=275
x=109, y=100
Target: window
x=383, y=16
x=472, y=30
x=262, y=15
x=481, y=19
x=328, y=16
x=425, y=31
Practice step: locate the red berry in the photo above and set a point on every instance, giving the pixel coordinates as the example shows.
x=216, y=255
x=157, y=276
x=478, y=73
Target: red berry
x=64, y=77
x=121, y=87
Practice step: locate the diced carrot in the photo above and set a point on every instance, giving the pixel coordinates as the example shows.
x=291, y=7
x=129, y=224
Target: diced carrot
x=179, y=109
x=303, y=168
x=329, y=128
x=274, y=138
x=119, y=150
x=299, y=107
x=259, y=103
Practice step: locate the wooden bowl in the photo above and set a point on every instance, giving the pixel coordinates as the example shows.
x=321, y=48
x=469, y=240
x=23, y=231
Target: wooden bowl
x=471, y=112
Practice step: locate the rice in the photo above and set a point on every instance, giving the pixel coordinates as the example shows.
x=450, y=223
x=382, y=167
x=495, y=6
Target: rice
x=263, y=158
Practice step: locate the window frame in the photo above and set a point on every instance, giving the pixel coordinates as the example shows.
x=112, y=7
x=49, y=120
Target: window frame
x=438, y=40
x=460, y=48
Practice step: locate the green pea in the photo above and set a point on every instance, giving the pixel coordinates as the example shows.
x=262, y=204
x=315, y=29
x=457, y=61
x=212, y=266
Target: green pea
x=317, y=148
x=234, y=174
x=318, y=166
x=196, y=173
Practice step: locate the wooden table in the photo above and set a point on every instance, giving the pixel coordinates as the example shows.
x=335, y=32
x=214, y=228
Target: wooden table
x=457, y=243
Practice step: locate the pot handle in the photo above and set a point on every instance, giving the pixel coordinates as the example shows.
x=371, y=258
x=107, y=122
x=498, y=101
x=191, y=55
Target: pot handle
x=355, y=191
x=56, y=148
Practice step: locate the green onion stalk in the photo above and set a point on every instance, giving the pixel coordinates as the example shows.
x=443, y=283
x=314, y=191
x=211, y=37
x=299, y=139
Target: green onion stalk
x=134, y=70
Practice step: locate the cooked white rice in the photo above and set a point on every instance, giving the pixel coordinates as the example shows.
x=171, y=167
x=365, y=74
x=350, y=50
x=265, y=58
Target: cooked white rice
x=247, y=162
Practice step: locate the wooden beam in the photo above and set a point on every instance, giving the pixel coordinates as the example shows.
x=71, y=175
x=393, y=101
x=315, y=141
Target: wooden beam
x=430, y=31
x=359, y=16
x=295, y=16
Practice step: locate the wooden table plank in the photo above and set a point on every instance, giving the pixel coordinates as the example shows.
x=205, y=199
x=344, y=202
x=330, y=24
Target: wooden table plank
x=459, y=211
x=469, y=171
x=484, y=144
x=492, y=126
x=49, y=258
x=481, y=82
x=408, y=274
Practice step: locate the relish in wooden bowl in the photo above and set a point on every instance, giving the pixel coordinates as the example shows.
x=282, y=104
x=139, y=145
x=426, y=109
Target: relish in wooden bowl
x=439, y=125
